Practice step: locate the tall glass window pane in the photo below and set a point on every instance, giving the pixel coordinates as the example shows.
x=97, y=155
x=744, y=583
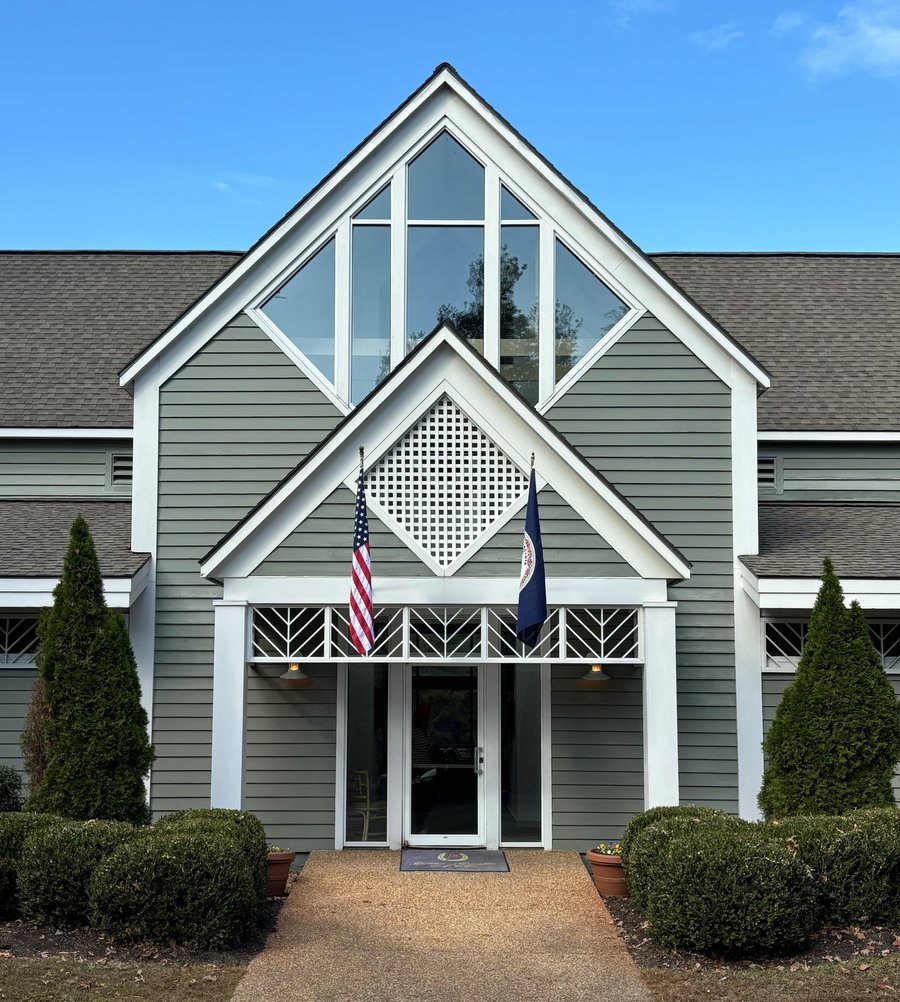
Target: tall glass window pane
x=370, y=345
x=367, y=687
x=586, y=310
x=519, y=308
x=303, y=310
x=445, y=182
x=378, y=207
x=520, y=753
x=511, y=207
x=445, y=281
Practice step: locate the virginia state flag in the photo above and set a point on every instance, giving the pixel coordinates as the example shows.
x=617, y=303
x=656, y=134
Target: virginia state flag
x=532, y=586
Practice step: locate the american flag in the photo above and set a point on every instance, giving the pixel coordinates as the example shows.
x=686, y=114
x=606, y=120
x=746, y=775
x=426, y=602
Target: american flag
x=362, y=631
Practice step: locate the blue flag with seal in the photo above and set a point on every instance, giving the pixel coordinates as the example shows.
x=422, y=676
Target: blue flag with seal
x=532, y=610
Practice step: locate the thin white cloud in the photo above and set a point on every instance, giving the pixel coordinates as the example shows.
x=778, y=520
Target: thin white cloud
x=236, y=180
x=863, y=38
x=788, y=21
x=720, y=37
x=625, y=12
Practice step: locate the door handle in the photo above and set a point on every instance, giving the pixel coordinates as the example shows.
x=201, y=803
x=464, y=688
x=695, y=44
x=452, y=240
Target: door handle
x=477, y=760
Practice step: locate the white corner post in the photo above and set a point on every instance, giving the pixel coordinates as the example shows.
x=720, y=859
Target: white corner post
x=229, y=703
x=660, y=706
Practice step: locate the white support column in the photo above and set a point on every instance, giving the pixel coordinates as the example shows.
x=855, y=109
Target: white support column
x=489, y=725
x=546, y=756
x=660, y=706
x=396, y=778
x=748, y=699
x=229, y=703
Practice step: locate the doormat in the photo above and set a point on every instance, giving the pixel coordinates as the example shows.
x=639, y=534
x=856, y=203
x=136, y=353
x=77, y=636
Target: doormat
x=458, y=860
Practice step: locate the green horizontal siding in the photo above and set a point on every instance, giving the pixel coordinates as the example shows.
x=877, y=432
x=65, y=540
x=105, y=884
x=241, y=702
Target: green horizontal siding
x=320, y=545
x=773, y=686
x=232, y=422
x=59, y=467
x=657, y=423
x=598, y=755
x=835, y=471
x=15, y=695
x=289, y=757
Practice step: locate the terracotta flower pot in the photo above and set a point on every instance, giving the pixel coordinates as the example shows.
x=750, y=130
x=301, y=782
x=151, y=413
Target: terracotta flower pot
x=278, y=866
x=609, y=876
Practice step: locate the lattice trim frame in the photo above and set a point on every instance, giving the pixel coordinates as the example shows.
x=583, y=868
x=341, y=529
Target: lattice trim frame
x=445, y=487
x=18, y=639
x=441, y=634
x=783, y=641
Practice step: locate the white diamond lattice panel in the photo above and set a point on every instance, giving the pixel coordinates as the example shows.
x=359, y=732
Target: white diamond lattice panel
x=445, y=482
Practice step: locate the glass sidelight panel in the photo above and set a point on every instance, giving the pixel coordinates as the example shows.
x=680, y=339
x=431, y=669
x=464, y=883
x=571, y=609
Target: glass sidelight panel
x=444, y=764
x=367, y=692
x=520, y=753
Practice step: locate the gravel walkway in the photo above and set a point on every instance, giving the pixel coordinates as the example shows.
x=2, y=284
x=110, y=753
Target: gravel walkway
x=356, y=928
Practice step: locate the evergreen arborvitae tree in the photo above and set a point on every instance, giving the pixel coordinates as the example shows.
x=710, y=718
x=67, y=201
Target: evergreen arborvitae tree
x=97, y=747
x=835, y=738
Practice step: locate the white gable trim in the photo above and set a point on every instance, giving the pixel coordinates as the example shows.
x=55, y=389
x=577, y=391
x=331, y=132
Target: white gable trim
x=444, y=99
x=444, y=364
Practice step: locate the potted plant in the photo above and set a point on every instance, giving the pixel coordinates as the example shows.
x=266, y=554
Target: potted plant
x=607, y=870
x=278, y=866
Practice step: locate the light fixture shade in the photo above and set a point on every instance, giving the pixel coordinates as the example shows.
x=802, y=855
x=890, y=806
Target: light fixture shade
x=294, y=673
x=595, y=674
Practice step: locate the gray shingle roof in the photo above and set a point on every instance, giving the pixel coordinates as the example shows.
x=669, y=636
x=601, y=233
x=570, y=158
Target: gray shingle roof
x=34, y=536
x=827, y=326
x=863, y=540
x=69, y=320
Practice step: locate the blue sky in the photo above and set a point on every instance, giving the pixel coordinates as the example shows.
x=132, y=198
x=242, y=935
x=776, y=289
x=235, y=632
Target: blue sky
x=694, y=124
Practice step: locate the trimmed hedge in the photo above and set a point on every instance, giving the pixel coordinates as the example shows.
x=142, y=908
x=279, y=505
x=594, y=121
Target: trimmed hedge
x=855, y=857
x=177, y=883
x=647, y=836
x=10, y=789
x=244, y=828
x=56, y=865
x=734, y=890
x=15, y=827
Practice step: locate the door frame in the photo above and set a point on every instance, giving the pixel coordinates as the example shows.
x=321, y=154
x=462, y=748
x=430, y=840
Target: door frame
x=479, y=838
x=400, y=723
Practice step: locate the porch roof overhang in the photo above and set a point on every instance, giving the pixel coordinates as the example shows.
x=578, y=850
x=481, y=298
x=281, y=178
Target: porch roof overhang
x=444, y=364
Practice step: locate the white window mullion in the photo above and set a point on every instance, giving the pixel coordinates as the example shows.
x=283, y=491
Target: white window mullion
x=398, y=267
x=547, y=313
x=492, y=266
x=342, y=310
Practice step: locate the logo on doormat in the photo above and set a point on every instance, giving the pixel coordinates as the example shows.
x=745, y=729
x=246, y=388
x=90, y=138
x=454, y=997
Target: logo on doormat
x=453, y=857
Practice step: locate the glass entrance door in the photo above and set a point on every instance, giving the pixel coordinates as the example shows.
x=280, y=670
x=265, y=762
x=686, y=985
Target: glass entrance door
x=445, y=757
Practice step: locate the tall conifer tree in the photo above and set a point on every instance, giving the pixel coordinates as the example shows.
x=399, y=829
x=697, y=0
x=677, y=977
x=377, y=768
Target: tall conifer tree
x=98, y=752
x=835, y=738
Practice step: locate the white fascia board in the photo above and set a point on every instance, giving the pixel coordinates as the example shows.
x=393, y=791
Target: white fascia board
x=800, y=593
x=386, y=416
x=36, y=593
x=828, y=436
x=123, y=433
x=277, y=253
x=434, y=591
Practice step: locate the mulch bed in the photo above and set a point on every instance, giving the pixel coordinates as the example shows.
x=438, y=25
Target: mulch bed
x=833, y=945
x=19, y=938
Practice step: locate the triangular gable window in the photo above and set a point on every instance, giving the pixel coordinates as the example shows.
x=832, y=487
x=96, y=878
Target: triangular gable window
x=446, y=239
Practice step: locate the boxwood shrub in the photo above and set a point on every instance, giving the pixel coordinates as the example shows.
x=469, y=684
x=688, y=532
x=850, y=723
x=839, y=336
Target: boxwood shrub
x=177, y=884
x=732, y=890
x=243, y=827
x=15, y=827
x=56, y=865
x=647, y=836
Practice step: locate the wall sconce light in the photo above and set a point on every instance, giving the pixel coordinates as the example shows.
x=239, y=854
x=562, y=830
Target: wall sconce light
x=294, y=673
x=595, y=674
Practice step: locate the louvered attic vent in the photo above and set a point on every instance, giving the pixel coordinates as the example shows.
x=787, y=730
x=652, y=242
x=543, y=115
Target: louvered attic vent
x=765, y=472
x=121, y=469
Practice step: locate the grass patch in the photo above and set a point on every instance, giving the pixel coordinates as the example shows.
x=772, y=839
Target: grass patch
x=61, y=980
x=829, y=982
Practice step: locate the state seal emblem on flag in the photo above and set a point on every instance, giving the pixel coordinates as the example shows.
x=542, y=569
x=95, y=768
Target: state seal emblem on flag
x=528, y=561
